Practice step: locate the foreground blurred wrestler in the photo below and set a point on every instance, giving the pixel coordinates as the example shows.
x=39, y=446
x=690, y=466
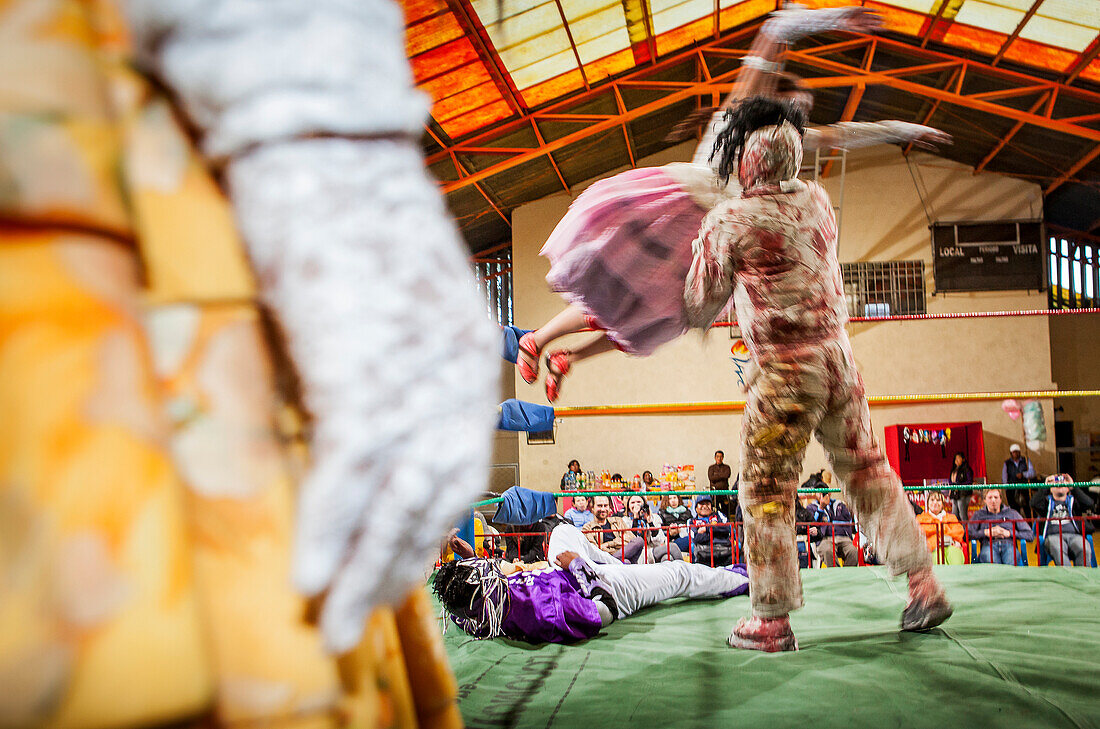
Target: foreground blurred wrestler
x=774, y=249
x=588, y=591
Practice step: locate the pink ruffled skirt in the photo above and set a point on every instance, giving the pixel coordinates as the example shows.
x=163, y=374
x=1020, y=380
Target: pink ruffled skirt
x=622, y=254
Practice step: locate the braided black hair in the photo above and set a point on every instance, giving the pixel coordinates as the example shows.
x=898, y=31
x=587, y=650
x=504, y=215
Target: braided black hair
x=452, y=587
x=744, y=119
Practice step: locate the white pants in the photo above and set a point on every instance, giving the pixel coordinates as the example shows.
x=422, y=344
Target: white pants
x=634, y=587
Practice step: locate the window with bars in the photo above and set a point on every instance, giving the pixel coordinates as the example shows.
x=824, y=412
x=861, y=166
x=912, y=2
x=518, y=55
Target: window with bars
x=494, y=279
x=884, y=288
x=1074, y=273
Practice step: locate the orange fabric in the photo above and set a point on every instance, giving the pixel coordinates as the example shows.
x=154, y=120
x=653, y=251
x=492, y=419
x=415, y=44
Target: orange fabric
x=951, y=528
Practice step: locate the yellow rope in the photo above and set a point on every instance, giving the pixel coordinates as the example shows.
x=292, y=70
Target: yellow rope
x=879, y=400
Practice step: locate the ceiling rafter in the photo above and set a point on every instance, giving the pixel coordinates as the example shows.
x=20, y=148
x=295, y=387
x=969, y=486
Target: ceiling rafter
x=1016, y=33
x=1087, y=56
x=474, y=30
x=935, y=106
x=626, y=131
x=554, y=110
x=1011, y=133
x=461, y=170
x=932, y=25
x=572, y=44
x=557, y=171
x=1077, y=167
x=855, y=96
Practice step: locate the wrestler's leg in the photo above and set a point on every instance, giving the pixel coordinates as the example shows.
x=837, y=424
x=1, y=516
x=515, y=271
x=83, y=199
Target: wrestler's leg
x=567, y=321
x=634, y=587
x=784, y=404
x=568, y=538
x=874, y=492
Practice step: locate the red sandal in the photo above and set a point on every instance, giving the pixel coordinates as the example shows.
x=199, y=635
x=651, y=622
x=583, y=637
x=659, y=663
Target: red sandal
x=527, y=346
x=557, y=366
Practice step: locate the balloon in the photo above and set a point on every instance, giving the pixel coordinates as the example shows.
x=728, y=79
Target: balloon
x=1011, y=408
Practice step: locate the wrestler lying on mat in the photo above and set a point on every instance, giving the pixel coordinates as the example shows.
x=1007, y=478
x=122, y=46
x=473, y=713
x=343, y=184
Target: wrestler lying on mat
x=586, y=591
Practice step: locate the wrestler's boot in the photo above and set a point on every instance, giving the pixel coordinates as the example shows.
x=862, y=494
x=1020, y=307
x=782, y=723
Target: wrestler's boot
x=928, y=605
x=770, y=635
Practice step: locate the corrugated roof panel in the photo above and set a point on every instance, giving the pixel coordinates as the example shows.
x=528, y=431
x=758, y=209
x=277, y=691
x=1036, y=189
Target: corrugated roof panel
x=671, y=14
x=443, y=59
x=733, y=14
x=465, y=100
x=610, y=65
x=1058, y=33
x=898, y=19
x=1081, y=12
x=417, y=10
x=975, y=39
x=476, y=119
x=685, y=35
x=920, y=6
x=990, y=16
x=600, y=33
x=1092, y=71
x=431, y=33
x=543, y=69
x=1037, y=54
x=552, y=88
x=456, y=82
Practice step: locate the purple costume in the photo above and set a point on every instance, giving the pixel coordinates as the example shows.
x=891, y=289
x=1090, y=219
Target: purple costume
x=547, y=606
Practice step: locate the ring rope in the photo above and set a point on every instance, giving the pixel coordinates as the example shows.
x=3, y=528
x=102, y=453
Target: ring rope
x=880, y=400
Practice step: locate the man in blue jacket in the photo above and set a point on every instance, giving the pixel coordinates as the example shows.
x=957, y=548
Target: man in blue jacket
x=1065, y=541
x=997, y=526
x=842, y=529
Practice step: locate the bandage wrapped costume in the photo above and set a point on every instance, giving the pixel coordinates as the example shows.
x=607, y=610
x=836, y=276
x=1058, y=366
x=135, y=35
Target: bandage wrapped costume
x=774, y=249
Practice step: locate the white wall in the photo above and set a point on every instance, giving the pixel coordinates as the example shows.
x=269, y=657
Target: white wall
x=883, y=219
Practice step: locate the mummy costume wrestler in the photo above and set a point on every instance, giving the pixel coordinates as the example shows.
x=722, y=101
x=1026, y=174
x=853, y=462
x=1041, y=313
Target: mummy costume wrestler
x=621, y=253
x=774, y=249
x=554, y=605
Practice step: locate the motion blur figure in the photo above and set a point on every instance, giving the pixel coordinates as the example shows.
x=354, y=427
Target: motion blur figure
x=774, y=249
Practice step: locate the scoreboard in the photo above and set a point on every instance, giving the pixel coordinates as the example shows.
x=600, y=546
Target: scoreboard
x=988, y=256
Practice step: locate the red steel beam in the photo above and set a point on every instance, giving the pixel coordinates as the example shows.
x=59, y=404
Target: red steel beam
x=935, y=106
x=1016, y=33
x=555, y=109
x=1080, y=164
x=573, y=44
x=935, y=21
x=626, y=131
x=848, y=76
x=1008, y=137
x=550, y=157
x=951, y=97
x=465, y=16
x=1087, y=56
x=461, y=170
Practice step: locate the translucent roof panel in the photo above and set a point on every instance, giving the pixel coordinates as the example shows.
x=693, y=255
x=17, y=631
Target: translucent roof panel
x=473, y=64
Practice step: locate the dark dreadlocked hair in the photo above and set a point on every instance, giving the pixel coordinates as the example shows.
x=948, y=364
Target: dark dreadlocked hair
x=452, y=588
x=744, y=119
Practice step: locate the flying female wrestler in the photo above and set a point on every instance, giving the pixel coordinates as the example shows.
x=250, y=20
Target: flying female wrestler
x=621, y=253
x=774, y=249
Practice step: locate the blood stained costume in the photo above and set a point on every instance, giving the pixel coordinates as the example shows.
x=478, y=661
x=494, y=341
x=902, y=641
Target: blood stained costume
x=774, y=249
x=562, y=605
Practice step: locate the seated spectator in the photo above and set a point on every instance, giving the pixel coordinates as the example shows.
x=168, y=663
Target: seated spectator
x=961, y=475
x=942, y=530
x=997, y=526
x=578, y=514
x=647, y=546
x=609, y=533
x=674, y=512
x=710, y=544
x=807, y=511
x=569, y=478
x=1065, y=542
x=841, y=529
